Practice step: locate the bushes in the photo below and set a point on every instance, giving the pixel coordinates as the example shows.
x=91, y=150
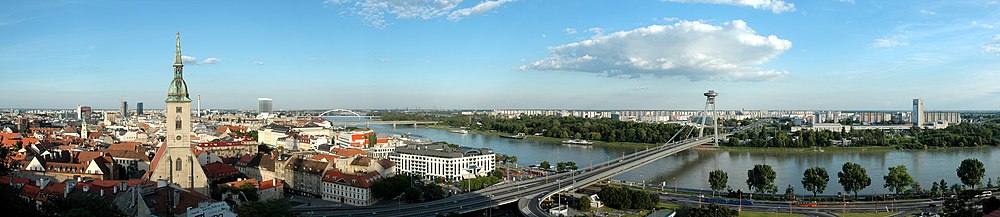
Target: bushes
x=627, y=198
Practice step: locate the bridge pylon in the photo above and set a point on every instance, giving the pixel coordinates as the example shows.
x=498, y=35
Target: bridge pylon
x=710, y=101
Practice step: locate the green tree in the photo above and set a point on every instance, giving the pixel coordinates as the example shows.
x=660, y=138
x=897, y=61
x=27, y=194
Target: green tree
x=760, y=179
x=560, y=167
x=712, y=210
x=971, y=172
x=898, y=179
x=790, y=192
x=273, y=208
x=81, y=205
x=545, y=165
x=815, y=179
x=718, y=180
x=853, y=178
x=584, y=203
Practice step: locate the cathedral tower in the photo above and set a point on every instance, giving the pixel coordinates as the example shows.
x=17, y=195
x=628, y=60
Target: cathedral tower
x=175, y=163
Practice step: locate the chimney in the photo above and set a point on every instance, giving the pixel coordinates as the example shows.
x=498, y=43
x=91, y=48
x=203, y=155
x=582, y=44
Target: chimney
x=274, y=182
x=114, y=189
x=102, y=192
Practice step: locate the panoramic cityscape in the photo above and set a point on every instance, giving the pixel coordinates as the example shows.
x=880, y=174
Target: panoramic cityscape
x=500, y=108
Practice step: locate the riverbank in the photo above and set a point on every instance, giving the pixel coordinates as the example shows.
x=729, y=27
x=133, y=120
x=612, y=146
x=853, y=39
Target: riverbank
x=632, y=145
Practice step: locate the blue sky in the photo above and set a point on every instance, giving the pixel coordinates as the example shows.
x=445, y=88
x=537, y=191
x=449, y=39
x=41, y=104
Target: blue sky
x=776, y=54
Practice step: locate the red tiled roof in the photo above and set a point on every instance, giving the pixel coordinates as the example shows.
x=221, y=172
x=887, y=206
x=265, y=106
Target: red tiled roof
x=361, y=181
x=86, y=156
x=237, y=184
x=268, y=184
x=30, y=191
x=348, y=152
x=128, y=146
x=218, y=170
x=329, y=158
x=55, y=189
x=386, y=163
x=156, y=160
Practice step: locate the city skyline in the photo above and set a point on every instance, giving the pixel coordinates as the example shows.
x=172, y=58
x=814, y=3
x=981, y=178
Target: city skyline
x=463, y=54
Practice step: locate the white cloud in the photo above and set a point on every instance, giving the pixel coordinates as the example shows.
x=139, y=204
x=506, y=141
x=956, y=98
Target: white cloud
x=983, y=25
x=189, y=59
x=847, y=1
x=210, y=60
x=689, y=49
x=481, y=8
x=993, y=48
x=194, y=60
x=775, y=6
x=258, y=62
x=569, y=31
x=374, y=12
x=992, y=2
x=596, y=30
x=669, y=19
x=890, y=42
x=927, y=12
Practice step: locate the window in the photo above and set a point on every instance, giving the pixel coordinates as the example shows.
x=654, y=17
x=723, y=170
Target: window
x=177, y=124
x=178, y=109
x=179, y=164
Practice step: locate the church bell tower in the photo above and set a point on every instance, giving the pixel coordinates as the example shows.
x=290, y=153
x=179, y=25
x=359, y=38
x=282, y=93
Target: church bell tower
x=177, y=163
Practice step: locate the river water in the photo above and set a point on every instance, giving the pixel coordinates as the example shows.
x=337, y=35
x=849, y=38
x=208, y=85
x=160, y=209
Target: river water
x=689, y=169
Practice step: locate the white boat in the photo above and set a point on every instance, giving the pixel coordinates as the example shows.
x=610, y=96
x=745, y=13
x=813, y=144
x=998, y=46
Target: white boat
x=577, y=142
x=460, y=131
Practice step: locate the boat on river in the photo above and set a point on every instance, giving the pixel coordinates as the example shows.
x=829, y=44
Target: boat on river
x=518, y=136
x=577, y=142
x=460, y=131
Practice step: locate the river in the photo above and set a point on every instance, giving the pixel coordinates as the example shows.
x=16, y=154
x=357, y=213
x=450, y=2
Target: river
x=689, y=169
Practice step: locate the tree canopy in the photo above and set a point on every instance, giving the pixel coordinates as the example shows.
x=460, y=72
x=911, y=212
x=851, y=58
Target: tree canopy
x=853, y=178
x=971, y=172
x=815, y=179
x=760, y=179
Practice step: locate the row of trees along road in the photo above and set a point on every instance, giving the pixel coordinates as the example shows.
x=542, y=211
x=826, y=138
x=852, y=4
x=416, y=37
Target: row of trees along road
x=852, y=177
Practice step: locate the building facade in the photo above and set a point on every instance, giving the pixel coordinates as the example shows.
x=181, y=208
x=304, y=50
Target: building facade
x=917, y=117
x=443, y=162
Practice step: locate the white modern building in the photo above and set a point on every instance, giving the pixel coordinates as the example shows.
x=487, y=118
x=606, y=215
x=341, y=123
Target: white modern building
x=918, y=112
x=443, y=162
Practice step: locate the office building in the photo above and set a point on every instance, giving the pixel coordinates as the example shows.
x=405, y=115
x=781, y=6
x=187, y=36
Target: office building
x=83, y=112
x=440, y=161
x=124, y=109
x=918, y=112
x=264, y=105
x=138, y=108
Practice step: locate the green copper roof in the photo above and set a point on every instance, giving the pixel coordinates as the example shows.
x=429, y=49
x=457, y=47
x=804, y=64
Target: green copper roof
x=178, y=91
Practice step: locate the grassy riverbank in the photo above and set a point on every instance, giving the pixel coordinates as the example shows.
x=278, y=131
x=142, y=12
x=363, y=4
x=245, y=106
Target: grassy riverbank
x=645, y=145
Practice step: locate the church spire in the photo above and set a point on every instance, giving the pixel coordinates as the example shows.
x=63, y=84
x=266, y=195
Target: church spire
x=177, y=57
x=178, y=88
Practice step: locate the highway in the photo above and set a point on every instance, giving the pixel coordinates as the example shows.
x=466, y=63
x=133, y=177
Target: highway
x=529, y=192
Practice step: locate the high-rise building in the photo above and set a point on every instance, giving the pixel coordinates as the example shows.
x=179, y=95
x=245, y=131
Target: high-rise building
x=138, y=108
x=83, y=112
x=918, y=112
x=124, y=109
x=174, y=162
x=264, y=105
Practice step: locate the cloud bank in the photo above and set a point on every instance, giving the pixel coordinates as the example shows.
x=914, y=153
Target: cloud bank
x=775, y=6
x=690, y=49
x=374, y=12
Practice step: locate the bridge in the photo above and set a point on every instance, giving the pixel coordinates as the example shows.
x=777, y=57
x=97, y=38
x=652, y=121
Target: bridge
x=377, y=122
x=528, y=194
